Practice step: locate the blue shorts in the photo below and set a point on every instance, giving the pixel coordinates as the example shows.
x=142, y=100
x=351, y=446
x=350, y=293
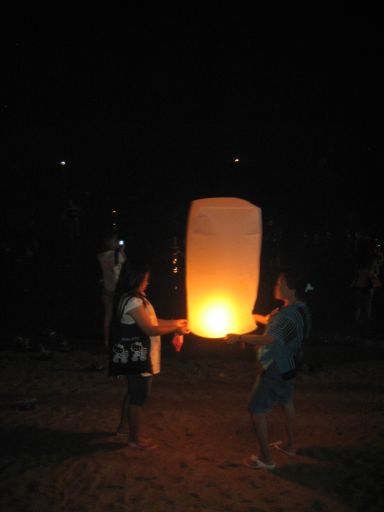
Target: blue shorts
x=269, y=390
x=138, y=388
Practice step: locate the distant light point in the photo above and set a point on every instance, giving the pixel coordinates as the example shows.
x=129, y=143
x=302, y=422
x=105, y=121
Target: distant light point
x=236, y=160
x=63, y=163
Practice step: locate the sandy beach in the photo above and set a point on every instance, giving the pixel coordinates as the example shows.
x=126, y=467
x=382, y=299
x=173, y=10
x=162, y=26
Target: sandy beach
x=62, y=455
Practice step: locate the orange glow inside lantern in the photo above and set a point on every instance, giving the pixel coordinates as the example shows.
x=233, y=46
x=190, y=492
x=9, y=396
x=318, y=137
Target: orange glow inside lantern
x=222, y=266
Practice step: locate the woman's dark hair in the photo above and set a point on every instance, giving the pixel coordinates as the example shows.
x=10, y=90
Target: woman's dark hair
x=131, y=276
x=296, y=280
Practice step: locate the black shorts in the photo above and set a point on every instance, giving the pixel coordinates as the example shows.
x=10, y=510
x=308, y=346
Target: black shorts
x=138, y=388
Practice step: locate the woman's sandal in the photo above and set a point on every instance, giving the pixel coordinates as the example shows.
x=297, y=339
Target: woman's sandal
x=146, y=444
x=255, y=463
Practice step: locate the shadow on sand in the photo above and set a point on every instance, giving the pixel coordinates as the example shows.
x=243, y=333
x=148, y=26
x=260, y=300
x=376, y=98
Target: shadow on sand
x=29, y=441
x=352, y=474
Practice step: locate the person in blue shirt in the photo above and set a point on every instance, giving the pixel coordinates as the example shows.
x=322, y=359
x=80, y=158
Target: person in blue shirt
x=277, y=350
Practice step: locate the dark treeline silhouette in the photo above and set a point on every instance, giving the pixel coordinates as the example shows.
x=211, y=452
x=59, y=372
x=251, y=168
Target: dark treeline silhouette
x=53, y=278
x=332, y=259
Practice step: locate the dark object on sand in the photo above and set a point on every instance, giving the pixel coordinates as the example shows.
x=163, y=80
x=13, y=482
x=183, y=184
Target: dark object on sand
x=27, y=404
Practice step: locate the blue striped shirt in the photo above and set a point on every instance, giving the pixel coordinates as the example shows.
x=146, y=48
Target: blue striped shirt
x=287, y=329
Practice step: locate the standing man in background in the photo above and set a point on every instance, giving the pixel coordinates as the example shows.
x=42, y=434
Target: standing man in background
x=111, y=260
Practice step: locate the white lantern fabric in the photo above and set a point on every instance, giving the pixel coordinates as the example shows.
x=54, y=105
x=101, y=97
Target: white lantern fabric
x=224, y=237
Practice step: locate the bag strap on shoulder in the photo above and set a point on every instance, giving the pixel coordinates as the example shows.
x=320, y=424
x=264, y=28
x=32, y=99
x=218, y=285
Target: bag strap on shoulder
x=122, y=306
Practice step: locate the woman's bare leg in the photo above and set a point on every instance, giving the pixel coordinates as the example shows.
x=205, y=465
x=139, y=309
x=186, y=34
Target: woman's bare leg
x=261, y=428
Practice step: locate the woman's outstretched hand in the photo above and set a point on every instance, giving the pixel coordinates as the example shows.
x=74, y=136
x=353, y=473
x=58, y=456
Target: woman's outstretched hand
x=182, y=326
x=264, y=319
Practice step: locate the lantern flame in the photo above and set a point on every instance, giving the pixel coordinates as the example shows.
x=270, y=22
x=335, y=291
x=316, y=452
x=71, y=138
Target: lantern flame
x=216, y=319
x=219, y=316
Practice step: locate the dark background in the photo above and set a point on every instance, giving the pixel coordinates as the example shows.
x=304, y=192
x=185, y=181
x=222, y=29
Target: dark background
x=149, y=111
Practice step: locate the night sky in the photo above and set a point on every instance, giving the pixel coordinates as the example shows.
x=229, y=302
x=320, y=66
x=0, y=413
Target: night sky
x=149, y=110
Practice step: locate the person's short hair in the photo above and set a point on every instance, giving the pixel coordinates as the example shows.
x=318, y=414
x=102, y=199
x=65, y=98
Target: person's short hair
x=297, y=279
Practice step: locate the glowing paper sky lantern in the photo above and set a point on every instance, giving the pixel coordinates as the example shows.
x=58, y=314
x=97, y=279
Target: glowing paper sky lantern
x=222, y=265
